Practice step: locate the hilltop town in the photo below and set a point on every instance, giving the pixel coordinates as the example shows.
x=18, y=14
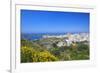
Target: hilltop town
x=66, y=39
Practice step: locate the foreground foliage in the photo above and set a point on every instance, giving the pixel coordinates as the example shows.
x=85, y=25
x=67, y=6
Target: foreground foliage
x=34, y=51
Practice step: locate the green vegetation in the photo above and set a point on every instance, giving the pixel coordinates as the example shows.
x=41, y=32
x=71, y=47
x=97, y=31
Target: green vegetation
x=36, y=51
x=32, y=52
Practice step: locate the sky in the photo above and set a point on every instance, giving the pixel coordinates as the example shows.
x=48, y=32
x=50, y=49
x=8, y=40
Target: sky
x=36, y=21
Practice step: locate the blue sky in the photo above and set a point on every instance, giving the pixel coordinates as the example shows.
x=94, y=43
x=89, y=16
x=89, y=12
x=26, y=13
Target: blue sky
x=35, y=21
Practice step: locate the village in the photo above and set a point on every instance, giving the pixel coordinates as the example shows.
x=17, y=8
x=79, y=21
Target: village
x=64, y=40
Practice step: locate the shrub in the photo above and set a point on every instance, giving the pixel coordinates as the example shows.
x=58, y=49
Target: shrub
x=32, y=55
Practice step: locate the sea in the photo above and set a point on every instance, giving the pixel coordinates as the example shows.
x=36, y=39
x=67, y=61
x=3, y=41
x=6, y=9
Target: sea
x=37, y=36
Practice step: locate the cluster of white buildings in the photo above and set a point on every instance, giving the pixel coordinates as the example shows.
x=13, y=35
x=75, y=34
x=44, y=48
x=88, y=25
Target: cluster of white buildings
x=70, y=38
x=78, y=37
x=54, y=36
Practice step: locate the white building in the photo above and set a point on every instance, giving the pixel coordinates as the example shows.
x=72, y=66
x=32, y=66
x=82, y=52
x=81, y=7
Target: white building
x=61, y=43
x=69, y=42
